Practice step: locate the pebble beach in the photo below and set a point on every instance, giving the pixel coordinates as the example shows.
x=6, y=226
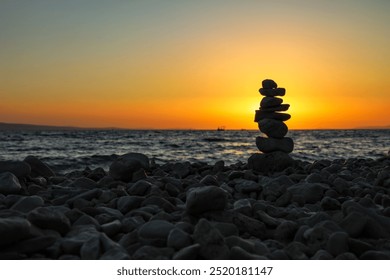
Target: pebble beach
x=138, y=209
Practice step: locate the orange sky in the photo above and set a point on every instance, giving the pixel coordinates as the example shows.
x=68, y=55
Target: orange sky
x=193, y=64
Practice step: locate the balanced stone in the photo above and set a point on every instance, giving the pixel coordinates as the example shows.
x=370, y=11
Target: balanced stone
x=273, y=128
x=271, y=115
x=268, y=101
x=269, y=84
x=268, y=145
x=19, y=168
x=272, y=92
x=281, y=107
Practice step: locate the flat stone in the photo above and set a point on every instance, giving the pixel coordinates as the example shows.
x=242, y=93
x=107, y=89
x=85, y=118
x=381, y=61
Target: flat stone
x=269, y=145
x=9, y=183
x=279, y=108
x=273, y=91
x=270, y=102
x=268, y=84
x=124, y=166
x=273, y=128
x=38, y=168
x=260, y=115
x=49, y=218
x=203, y=199
x=19, y=168
x=13, y=230
x=270, y=162
x=28, y=203
x=212, y=245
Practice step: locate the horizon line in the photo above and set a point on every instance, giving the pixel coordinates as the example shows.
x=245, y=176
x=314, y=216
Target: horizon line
x=27, y=126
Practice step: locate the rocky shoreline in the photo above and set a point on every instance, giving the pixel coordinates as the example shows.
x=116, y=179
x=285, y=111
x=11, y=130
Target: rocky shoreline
x=137, y=209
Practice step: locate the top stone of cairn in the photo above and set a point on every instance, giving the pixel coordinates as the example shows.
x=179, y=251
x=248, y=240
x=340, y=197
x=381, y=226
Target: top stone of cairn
x=269, y=84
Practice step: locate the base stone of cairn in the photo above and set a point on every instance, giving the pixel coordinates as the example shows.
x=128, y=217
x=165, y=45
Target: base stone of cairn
x=275, y=147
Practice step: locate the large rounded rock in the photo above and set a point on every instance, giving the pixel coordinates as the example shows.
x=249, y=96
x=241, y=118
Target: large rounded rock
x=268, y=145
x=19, y=168
x=124, y=166
x=203, y=199
x=273, y=128
x=50, y=218
x=9, y=183
x=155, y=231
x=271, y=162
x=13, y=229
x=38, y=168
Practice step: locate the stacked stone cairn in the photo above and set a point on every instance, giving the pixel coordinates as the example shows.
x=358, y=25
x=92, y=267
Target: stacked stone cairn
x=275, y=147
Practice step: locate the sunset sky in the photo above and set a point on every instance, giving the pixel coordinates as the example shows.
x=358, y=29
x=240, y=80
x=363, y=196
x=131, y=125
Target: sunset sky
x=193, y=64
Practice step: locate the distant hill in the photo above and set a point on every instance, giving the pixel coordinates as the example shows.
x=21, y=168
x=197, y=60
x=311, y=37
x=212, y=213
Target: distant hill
x=374, y=127
x=17, y=126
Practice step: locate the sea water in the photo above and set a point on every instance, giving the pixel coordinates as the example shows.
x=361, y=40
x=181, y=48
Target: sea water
x=77, y=149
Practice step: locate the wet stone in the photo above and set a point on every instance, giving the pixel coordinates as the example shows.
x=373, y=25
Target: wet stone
x=19, y=168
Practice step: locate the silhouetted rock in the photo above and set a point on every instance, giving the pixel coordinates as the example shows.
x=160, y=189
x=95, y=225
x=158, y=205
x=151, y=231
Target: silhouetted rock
x=273, y=128
x=271, y=162
x=269, y=84
x=272, y=92
x=279, y=108
x=269, y=145
x=124, y=166
x=260, y=115
x=38, y=168
x=268, y=102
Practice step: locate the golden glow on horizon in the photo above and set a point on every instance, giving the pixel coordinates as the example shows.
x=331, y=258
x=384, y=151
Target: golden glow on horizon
x=196, y=71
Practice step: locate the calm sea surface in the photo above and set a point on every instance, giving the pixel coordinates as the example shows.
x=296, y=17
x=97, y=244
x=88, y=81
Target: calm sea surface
x=69, y=150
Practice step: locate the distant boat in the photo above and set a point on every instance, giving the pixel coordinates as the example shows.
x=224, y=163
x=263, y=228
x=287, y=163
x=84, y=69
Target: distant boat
x=221, y=128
